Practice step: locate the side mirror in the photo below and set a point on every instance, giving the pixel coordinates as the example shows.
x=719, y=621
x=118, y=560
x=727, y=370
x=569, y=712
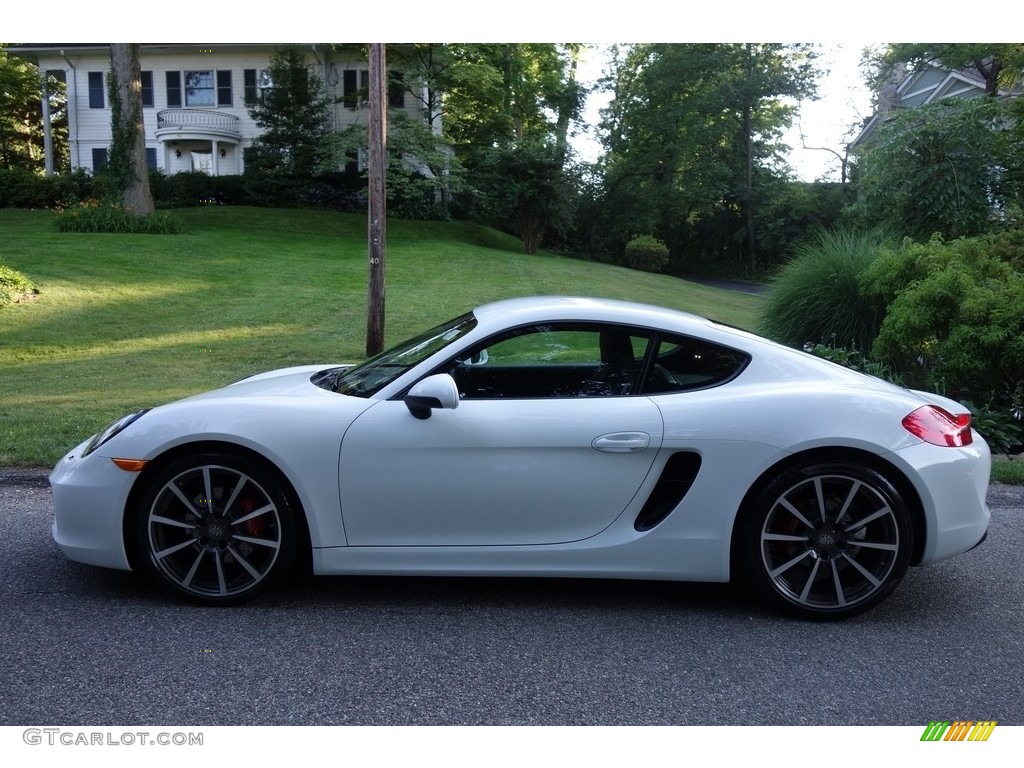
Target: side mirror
x=437, y=391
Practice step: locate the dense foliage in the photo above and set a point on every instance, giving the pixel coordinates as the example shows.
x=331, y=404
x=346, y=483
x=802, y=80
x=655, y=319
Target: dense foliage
x=646, y=253
x=297, y=143
x=955, y=314
x=693, y=140
x=94, y=216
x=21, y=123
x=13, y=285
x=507, y=112
x=817, y=297
x=955, y=168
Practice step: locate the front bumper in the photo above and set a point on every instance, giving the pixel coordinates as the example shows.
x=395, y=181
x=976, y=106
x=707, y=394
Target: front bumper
x=89, y=499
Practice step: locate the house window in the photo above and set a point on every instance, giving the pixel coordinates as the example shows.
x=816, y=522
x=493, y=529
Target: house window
x=396, y=90
x=151, y=158
x=147, y=89
x=174, y=89
x=355, y=87
x=96, y=89
x=99, y=159
x=224, y=88
x=199, y=88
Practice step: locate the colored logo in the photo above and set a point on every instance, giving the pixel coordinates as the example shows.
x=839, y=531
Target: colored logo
x=958, y=730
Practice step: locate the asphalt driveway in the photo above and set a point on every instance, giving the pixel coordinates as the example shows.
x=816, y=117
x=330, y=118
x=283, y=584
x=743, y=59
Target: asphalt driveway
x=86, y=646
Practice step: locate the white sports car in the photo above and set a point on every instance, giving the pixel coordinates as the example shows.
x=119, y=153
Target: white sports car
x=540, y=437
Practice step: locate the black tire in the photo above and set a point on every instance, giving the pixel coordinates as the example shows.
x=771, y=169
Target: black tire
x=827, y=541
x=217, y=528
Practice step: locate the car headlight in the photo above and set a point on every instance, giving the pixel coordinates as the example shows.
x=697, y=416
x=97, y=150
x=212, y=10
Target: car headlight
x=110, y=430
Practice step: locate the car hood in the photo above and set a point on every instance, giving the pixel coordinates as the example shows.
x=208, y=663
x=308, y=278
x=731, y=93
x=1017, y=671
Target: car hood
x=273, y=412
x=279, y=383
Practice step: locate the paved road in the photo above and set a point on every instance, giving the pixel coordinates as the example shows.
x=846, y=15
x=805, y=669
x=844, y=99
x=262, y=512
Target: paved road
x=86, y=646
x=751, y=289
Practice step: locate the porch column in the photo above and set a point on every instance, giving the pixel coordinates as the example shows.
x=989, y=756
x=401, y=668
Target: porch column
x=47, y=138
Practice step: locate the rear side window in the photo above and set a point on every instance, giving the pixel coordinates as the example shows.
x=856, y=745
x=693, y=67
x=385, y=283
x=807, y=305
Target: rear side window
x=681, y=363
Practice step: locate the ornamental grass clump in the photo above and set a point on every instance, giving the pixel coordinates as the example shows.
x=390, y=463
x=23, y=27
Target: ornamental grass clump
x=817, y=296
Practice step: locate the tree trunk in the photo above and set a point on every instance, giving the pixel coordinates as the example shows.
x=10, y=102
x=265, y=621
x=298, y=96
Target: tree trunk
x=128, y=147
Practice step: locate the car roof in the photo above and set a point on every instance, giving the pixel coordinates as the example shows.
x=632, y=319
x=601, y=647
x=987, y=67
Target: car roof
x=540, y=308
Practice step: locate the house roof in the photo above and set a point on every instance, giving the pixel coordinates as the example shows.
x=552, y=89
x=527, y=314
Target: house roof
x=927, y=85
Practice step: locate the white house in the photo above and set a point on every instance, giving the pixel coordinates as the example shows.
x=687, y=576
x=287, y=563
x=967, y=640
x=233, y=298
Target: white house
x=194, y=98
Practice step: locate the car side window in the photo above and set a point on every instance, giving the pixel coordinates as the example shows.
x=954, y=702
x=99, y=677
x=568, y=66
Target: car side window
x=545, y=361
x=681, y=363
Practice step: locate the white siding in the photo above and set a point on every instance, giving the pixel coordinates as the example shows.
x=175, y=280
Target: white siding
x=90, y=128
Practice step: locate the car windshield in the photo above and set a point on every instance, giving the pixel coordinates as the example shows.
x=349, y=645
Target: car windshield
x=368, y=378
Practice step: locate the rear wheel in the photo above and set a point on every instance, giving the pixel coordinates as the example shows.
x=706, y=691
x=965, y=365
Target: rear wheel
x=828, y=541
x=217, y=528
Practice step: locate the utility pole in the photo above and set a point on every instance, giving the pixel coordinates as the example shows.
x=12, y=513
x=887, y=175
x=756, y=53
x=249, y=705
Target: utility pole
x=377, y=220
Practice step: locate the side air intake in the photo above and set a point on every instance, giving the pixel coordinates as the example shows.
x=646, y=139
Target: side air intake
x=676, y=478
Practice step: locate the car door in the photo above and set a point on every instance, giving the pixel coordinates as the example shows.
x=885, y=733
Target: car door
x=547, y=445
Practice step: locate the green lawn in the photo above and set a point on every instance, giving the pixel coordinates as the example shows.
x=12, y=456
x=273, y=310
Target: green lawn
x=125, y=321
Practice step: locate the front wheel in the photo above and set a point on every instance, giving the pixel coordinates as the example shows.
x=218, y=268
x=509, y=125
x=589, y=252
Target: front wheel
x=216, y=528
x=828, y=541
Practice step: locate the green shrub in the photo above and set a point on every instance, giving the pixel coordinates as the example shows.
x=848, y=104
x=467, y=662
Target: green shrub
x=646, y=253
x=817, y=295
x=191, y=188
x=1003, y=432
x=93, y=216
x=20, y=188
x=856, y=360
x=955, y=316
x=14, y=285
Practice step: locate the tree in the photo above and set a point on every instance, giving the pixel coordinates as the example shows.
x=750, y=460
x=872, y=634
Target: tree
x=127, y=160
x=506, y=111
x=692, y=137
x=21, y=128
x=525, y=180
x=423, y=171
x=954, y=167
x=297, y=142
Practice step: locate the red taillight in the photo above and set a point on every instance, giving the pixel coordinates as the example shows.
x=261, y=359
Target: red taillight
x=938, y=426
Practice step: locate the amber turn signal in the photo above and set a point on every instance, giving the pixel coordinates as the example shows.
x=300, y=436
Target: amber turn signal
x=131, y=465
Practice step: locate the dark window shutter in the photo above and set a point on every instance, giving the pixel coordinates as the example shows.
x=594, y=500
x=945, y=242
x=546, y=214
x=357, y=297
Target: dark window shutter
x=174, y=89
x=147, y=89
x=96, y=90
x=223, y=87
x=249, y=86
x=350, y=88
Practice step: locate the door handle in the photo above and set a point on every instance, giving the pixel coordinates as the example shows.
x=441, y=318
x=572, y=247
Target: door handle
x=622, y=442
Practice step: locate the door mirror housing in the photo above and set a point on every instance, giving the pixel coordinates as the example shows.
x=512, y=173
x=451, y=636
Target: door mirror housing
x=437, y=391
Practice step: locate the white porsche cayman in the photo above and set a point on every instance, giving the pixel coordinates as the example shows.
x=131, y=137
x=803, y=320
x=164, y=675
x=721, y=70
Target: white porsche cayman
x=540, y=437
